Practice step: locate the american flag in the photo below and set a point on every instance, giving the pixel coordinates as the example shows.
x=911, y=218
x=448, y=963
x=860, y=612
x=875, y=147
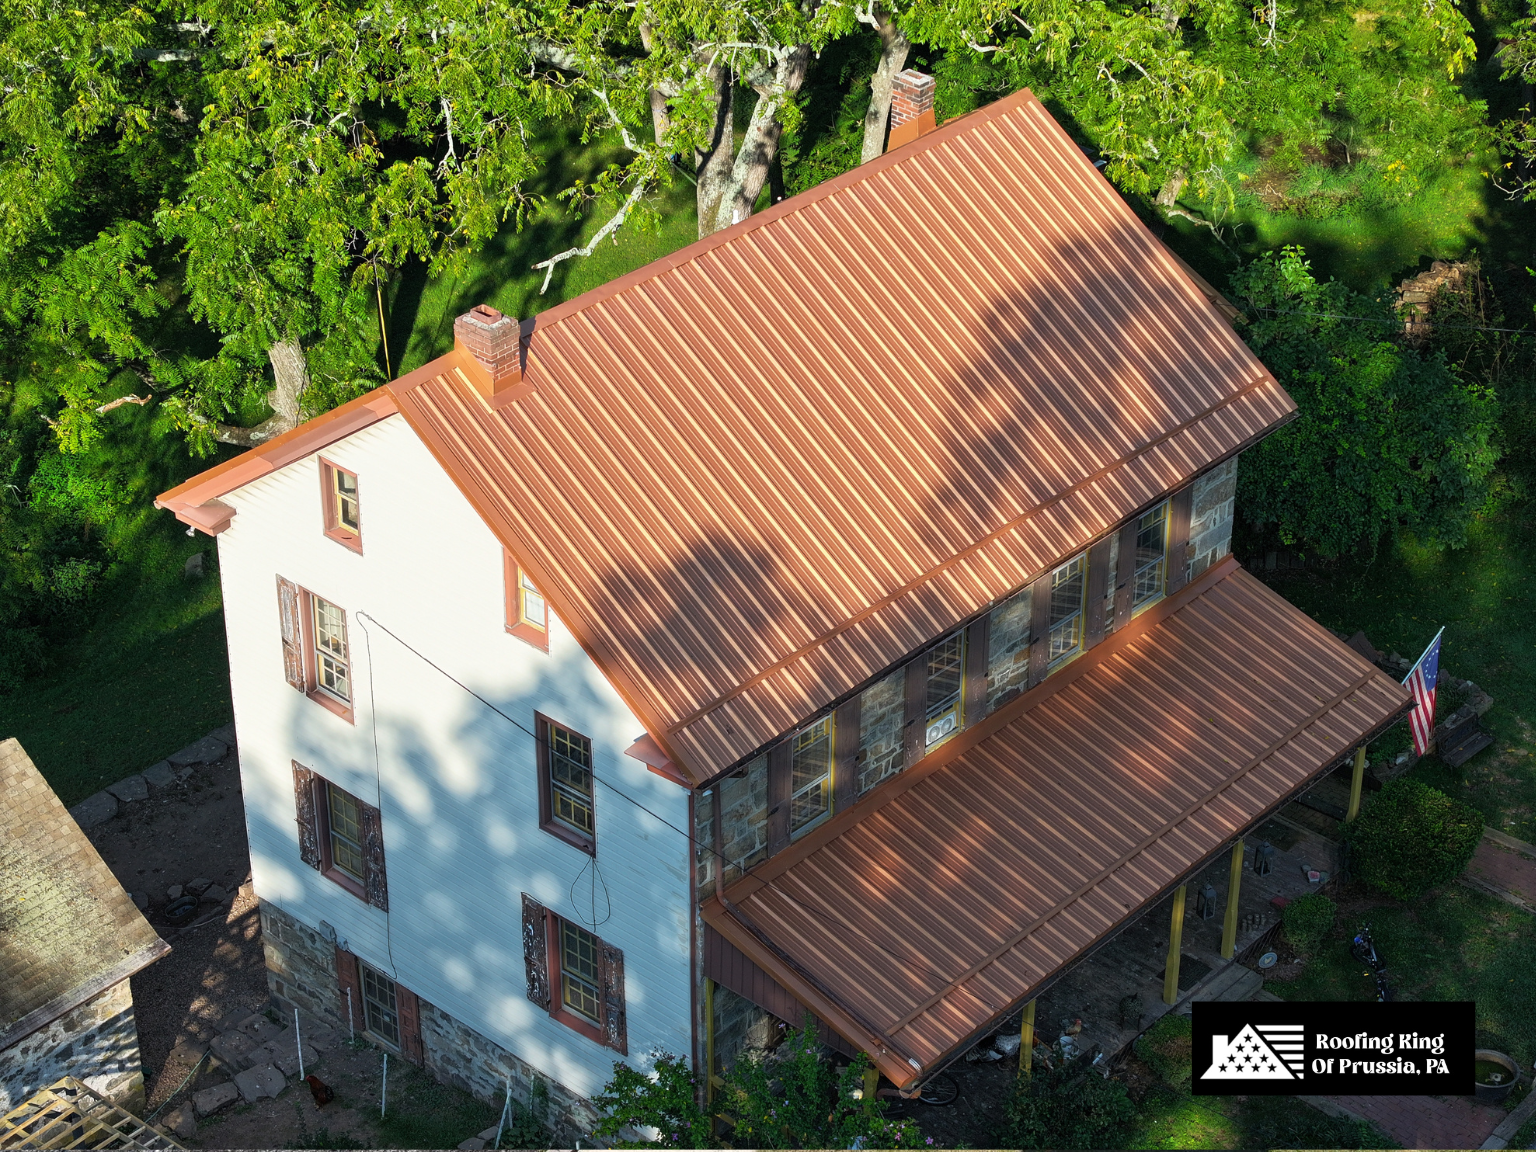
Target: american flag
x=1421, y=682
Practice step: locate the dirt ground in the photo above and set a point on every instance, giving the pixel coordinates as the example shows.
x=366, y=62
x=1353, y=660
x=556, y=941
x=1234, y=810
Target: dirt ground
x=215, y=977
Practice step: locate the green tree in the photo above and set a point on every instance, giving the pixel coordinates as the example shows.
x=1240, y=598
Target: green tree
x=1386, y=440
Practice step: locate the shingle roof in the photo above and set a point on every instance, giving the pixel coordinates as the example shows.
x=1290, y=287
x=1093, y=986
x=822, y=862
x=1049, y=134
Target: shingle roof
x=920, y=917
x=757, y=472
x=67, y=928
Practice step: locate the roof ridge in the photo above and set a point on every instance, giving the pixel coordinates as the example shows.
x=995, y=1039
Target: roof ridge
x=789, y=206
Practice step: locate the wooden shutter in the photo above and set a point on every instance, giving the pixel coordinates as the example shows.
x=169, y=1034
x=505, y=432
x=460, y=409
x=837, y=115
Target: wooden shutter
x=976, y=638
x=615, y=1030
x=347, y=980
x=845, y=764
x=292, y=625
x=536, y=951
x=1125, y=574
x=375, y=886
x=914, y=733
x=1178, y=537
x=304, y=810
x=1039, y=630
x=408, y=1008
x=1098, y=587
x=780, y=770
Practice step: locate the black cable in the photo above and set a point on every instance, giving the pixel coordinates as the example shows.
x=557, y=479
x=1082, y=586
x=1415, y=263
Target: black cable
x=1389, y=320
x=378, y=785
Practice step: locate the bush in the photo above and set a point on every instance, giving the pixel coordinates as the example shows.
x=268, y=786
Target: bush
x=1412, y=837
x=1070, y=1106
x=1166, y=1048
x=1308, y=920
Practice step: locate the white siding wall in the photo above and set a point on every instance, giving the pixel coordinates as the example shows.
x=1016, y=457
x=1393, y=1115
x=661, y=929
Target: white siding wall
x=457, y=782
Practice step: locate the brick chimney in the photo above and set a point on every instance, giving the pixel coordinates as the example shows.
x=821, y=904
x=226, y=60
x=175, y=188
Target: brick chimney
x=492, y=344
x=911, y=107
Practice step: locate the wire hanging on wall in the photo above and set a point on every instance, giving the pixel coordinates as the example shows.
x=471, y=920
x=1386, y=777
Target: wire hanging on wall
x=594, y=882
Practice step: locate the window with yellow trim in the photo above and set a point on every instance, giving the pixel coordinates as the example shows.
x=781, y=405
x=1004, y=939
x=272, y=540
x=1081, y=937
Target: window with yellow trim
x=810, y=797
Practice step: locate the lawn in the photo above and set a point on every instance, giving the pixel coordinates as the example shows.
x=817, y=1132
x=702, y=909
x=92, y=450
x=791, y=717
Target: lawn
x=1485, y=597
x=1456, y=944
x=1170, y=1118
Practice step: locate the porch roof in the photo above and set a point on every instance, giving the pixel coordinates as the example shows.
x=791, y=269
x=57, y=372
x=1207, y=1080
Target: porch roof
x=917, y=919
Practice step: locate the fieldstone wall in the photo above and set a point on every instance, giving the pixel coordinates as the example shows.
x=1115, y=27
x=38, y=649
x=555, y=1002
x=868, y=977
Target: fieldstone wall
x=1210, y=522
x=704, y=858
x=456, y=1054
x=301, y=968
x=744, y=818
x=97, y=1043
x=740, y=1026
x=882, y=709
x=1008, y=649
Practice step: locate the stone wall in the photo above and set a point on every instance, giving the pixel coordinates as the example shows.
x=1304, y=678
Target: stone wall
x=705, y=862
x=301, y=968
x=1210, y=521
x=744, y=818
x=97, y=1043
x=456, y=1054
x=740, y=1026
x=882, y=710
x=1008, y=649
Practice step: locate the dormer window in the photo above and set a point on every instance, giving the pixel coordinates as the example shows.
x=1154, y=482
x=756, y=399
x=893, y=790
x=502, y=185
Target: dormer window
x=338, y=490
x=527, y=610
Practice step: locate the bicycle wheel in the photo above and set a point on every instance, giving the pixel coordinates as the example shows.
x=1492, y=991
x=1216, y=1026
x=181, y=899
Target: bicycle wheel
x=938, y=1091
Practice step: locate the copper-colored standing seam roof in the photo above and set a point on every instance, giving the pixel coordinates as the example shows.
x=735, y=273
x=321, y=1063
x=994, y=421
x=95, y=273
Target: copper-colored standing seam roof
x=755, y=474
x=758, y=472
x=930, y=910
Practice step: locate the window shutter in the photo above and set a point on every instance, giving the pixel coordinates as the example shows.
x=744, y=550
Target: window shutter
x=615, y=1031
x=1178, y=538
x=347, y=981
x=304, y=809
x=408, y=1006
x=536, y=951
x=375, y=887
x=293, y=632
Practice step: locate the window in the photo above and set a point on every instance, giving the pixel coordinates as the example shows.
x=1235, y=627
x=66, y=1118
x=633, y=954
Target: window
x=380, y=1016
x=578, y=972
x=1151, y=574
x=574, y=975
x=340, y=836
x=527, y=610
x=1068, y=585
x=345, y=832
x=330, y=632
x=565, y=785
x=810, y=796
x=338, y=494
x=945, y=688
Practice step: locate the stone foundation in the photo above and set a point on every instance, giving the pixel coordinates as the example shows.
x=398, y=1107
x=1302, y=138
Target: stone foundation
x=301, y=973
x=97, y=1043
x=1210, y=518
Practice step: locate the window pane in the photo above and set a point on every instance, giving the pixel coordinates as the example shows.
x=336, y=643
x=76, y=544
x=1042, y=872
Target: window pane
x=1151, y=555
x=946, y=676
x=331, y=650
x=346, y=836
x=570, y=778
x=578, y=971
x=533, y=603
x=811, y=774
x=379, y=1005
x=346, y=499
x=1068, y=584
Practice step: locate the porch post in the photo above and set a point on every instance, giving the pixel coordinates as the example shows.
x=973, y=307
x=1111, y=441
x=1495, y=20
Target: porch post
x=1027, y=1040
x=1354, y=785
x=1234, y=883
x=1175, y=942
x=871, y=1086
x=709, y=1041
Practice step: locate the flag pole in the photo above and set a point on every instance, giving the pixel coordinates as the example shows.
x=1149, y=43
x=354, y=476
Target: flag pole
x=1427, y=648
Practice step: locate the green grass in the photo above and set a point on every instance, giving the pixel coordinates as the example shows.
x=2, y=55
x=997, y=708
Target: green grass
x=1170, y=1119
x=1456, y=945
x=1485, y=596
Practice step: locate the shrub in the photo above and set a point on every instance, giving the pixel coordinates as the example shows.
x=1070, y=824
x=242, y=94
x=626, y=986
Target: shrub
x=1308, y=920
x=1412, y=837
x=1070, y=1106
x=1166, y=1047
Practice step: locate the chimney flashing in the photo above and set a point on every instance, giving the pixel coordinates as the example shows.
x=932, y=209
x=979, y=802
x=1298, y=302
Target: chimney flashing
x=911, y=107
x=491, y=347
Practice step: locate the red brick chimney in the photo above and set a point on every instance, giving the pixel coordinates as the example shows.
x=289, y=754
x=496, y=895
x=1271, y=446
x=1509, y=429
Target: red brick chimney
x=492, y=344
x=911, y=107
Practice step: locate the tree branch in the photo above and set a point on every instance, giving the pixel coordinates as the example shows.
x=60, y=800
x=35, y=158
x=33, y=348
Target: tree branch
x=119, y=402
x=602, y=234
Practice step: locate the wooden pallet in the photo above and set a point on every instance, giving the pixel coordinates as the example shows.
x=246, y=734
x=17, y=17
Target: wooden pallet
x=67, y=1114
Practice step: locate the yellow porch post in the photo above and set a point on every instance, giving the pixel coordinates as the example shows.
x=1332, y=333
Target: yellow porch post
x=1175, y=942
x=1234, y=883
x=1027, y=1040
x=1354, y=785
x=709, y=1040
x=871, y=1084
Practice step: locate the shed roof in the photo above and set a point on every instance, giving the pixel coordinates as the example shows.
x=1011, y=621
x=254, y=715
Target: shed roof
x=923, y=915
x=67, y=928
x=759, y=471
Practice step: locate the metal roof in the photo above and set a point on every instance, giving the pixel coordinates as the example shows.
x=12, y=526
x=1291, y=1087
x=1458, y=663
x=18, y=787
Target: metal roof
x=921, y=916
x=756, y=473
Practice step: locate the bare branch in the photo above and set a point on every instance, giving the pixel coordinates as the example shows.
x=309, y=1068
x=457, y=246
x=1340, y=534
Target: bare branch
x=602, y=234
x=119, y=402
